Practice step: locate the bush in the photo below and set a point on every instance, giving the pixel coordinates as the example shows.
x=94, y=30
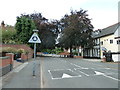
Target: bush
x=9, y=50
x=20, y=50
x=53, y=51
x=13, y=50
x=76, y=53
x=8, y=35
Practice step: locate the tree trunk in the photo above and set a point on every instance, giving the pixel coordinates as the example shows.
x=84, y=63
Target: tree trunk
x=71, y=54
x=78, y=51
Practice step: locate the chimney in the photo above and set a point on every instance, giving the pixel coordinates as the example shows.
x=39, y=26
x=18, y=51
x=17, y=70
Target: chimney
x=2, y=25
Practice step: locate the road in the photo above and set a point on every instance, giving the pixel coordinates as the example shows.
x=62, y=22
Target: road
x=64, y=73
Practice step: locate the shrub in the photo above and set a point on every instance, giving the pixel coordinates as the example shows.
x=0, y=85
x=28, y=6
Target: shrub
x=8, y=35
x=9, y=50
x=20, y=50
x=53, y=51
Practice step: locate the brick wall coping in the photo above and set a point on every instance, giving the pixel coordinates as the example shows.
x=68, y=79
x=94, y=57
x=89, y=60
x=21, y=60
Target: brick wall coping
x=6, y=57
x=9, y=53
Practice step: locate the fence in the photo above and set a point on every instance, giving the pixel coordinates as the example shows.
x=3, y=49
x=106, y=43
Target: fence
x=112, y=56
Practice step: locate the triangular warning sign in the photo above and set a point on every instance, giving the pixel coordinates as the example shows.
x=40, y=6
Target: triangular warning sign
x=66, y=75
x=34, y=39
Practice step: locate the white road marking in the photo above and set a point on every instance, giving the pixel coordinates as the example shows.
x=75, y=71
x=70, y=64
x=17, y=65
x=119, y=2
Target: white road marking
x=101, y=68
x=20, y=67
x=66, y=75
x=84, y=73
x=50, y=74
x=76, y=68
x=77, y=65
x=80, y=67
x=41, y=77
x=100, y=73
x=111, y=77
x=60, y=69
x=84, y=68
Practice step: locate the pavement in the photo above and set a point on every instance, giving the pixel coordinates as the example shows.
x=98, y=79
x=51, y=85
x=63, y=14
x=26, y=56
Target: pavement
x=94, y=60
x=22, y=76
x=16, y=64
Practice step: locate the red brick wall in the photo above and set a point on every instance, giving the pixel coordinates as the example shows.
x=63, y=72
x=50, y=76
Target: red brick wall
x=23, y=46
x=6, y=63
x=24, y=57
x=11, y=55
x=7, y=60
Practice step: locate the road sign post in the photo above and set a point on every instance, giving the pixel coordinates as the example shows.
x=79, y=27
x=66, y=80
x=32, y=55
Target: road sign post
x=34, y=39
x=34, y=59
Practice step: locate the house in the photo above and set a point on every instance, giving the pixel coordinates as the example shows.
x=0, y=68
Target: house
x=95, y=51
x=107, y=39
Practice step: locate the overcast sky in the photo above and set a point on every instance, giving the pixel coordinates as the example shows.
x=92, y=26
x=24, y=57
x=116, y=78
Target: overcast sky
x=102, y=12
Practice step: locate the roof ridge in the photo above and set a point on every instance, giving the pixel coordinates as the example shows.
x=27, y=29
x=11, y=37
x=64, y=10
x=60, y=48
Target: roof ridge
x=112, y=25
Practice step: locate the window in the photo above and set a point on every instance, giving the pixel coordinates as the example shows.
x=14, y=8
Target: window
x=111, y=41
x=118, y=41
x=101, y=42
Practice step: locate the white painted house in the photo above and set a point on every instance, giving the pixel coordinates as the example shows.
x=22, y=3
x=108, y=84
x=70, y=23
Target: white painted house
x=107, y=39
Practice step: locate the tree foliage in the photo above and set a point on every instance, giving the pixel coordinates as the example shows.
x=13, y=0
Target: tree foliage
x=76, y=31
x=24, y=27
x=48, y=30
x=8, y=33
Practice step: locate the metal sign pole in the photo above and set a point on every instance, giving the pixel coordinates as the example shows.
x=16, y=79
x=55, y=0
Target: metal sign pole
x=34, y=39
x=34, y=59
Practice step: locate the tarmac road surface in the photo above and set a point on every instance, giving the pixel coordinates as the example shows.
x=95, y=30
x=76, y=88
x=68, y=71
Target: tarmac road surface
x=64, y=73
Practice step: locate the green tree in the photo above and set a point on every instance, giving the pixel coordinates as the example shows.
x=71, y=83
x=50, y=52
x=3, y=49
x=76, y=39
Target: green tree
x=48, y=31
x=8, y=33
x=24, y=27
x=76, y=31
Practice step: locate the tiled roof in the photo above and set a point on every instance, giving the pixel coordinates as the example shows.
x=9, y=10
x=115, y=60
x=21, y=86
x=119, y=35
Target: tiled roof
x=107, y=31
